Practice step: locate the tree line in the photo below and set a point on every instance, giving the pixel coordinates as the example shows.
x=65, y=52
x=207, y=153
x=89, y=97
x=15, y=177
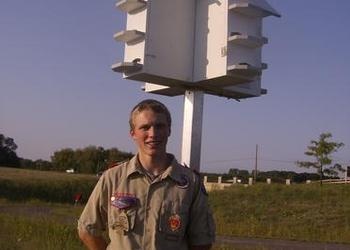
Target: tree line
x=93, y=159
x=89, y=160
x=8, y=154
x=320, y=150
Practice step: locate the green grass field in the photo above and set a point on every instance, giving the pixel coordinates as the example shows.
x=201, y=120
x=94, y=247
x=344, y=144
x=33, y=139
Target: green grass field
x=297, y=212
x=23, y=184
x=37, y=211
x=38, y=225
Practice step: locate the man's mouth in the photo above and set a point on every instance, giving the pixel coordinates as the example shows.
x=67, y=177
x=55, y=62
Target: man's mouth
x=153, y=143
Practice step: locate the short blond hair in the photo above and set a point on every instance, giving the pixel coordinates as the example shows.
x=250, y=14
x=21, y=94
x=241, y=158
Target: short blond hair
x=149, y=104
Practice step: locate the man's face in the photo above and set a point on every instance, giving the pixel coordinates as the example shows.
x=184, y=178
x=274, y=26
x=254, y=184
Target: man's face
x=150, y=132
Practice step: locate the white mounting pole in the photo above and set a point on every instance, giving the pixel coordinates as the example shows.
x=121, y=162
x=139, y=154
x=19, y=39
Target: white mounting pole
x=192, y=129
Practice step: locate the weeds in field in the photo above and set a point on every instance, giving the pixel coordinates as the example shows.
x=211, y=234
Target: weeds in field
x=298, y=212
x=228, y=247
x=28, y=233
x=23, y=185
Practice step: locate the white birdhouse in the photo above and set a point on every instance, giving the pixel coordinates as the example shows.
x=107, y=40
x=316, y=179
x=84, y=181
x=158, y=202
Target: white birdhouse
x=211, y=46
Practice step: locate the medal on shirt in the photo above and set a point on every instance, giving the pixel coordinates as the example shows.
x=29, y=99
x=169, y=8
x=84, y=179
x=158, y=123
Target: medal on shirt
x=174, y=222
x=122, y=223
x=123, y=200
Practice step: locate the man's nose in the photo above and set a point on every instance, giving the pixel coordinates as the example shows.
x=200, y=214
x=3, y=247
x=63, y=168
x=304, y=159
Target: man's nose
x=152, y=131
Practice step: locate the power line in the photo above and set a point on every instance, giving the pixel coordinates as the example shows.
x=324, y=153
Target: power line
x=251, y=158
x=285, y=161
x=240, y=159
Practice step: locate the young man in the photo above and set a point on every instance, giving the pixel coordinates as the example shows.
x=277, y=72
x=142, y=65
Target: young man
x=151, y=201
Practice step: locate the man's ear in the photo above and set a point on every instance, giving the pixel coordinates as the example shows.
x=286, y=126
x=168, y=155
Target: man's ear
x=169, y=132
x=132, y=133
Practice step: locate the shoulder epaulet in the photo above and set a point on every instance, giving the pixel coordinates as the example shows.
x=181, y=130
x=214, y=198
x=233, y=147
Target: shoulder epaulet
x=193, y=170
x=184, y=165
x=116, y=164
x=201, y=183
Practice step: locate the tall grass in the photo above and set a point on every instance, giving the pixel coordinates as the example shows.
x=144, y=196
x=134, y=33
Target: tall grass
x=297, y=212
x=38, y=225
x=22, y=185
x=27, y=233
x=232, y=247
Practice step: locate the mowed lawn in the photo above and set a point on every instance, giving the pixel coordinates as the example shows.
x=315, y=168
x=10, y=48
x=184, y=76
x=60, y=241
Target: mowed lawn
x=37, y=210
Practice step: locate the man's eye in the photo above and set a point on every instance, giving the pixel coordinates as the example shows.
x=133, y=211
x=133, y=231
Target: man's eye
x=160, y=126
x=145, y=128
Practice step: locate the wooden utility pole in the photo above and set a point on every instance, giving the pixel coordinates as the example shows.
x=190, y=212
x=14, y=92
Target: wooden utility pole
x=256, y=163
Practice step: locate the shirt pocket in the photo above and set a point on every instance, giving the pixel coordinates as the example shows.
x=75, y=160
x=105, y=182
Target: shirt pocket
x=173, y=221
x=123, y=221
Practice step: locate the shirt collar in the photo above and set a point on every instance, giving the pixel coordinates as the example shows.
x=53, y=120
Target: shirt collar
x=134, y=166
x=173, y=170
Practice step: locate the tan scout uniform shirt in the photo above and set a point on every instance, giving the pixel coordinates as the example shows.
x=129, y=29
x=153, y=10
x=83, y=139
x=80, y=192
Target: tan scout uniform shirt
x=169, y=213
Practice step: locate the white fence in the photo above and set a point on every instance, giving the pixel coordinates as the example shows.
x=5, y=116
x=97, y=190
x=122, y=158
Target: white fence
x=219, y=185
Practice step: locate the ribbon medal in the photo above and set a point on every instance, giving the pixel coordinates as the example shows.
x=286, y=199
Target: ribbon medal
x=174, y=222
x=123, y=200
x=122, y=223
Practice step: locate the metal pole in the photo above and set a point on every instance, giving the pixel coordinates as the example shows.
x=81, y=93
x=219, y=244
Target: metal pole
x=192, y=129
x=256, y=163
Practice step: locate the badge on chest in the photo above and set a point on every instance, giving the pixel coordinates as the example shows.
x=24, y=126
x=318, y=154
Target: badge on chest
x=121, y=224
x=124, y=202
x=174, y=222
x=183, y=182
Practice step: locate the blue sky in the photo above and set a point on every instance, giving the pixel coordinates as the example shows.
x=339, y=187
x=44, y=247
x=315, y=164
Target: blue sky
x=57, y=88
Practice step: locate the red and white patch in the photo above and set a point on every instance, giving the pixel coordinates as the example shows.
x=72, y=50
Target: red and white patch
x=174, y=222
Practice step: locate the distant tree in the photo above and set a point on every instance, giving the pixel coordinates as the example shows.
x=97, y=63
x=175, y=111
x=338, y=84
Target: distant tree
x=8, y=156
x=277, y=176
x=334, y=170
x=114, y=155
x=233, y=171
x=90, y=159
x=303, y=177
x=42, y=165
x=27, y=163
x=239, y=173
x=321, y=150
x=64, y=159
x=243, y=175
x=37, y=164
